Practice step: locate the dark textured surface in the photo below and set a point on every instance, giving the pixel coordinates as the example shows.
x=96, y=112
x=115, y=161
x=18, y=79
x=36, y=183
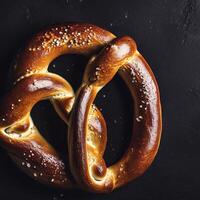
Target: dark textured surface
x=168, y=35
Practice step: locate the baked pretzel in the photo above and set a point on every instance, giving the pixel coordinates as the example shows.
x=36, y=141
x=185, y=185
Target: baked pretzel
x=87, y=129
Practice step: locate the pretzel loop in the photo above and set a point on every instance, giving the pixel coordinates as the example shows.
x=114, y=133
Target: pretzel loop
x=88, y=167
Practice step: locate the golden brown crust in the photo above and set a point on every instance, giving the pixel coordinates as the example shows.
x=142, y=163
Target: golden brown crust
x=76, y=38
x=87, y=127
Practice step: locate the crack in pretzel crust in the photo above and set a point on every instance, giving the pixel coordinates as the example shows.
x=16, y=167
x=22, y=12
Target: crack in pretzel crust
x=87, y=136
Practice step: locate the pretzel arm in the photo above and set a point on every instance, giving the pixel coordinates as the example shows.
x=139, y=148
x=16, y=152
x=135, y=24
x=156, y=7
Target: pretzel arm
x=22, y=139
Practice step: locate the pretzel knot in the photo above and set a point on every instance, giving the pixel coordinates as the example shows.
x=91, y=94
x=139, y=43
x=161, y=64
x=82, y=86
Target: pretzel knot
x=87, y=133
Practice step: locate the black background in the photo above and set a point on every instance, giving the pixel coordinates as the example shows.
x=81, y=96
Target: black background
x=168, y=35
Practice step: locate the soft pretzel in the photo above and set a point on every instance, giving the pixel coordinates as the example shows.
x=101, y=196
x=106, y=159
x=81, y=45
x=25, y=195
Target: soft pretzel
x=87, y=163
x=87, y=129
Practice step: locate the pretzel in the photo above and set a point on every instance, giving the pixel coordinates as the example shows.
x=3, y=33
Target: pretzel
x=87, y=129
